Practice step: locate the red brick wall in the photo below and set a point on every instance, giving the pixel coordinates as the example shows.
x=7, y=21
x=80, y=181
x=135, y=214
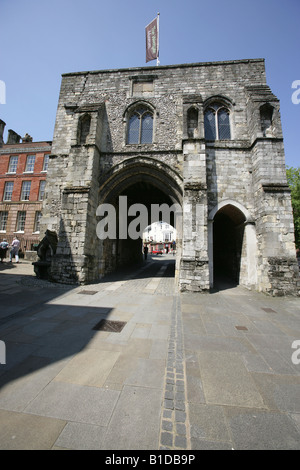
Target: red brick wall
x=20, y=176
x=15, y=205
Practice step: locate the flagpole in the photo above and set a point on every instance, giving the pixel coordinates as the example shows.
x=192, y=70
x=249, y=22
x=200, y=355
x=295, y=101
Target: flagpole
x=157, y=59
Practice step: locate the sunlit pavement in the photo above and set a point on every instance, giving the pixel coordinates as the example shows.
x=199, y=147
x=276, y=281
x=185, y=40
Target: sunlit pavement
x=165, y=371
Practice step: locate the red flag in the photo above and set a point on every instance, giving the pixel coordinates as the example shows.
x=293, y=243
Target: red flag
x=152, y=40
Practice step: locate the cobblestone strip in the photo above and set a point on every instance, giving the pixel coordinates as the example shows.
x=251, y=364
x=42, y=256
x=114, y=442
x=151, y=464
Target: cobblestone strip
x=174, y=432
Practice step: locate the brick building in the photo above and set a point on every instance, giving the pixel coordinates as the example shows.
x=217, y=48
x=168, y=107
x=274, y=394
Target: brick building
x=23, y=170
x=204, y=136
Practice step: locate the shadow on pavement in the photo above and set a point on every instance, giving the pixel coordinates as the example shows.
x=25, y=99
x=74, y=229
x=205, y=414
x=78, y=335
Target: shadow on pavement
x=223, y=283
x=39, y=325
x=43, y=323
x=147, y=269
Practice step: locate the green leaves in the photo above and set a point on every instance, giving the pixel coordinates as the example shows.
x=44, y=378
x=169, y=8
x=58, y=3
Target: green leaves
x=293, y=179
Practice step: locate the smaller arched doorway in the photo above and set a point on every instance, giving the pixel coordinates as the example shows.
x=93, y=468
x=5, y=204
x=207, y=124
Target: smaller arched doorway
x=228, y=235
x=232, y=246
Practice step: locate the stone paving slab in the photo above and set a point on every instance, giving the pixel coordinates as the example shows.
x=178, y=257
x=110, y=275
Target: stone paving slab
x=243, y=389
x=148, y=373
x=21, y=431
x=90, y=367
x=188, y=371
x=24, y=382
x=226, y=380
x=71, y=402
x=136, y=420
x=261, y=430
x=81, y=436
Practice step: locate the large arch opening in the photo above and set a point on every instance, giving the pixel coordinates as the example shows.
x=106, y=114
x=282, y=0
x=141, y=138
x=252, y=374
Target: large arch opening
x=139, y=195
x=141, y=191
x=228, y=237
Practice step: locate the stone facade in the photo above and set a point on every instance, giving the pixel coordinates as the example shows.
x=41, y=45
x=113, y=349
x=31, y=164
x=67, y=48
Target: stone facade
x=236, y=216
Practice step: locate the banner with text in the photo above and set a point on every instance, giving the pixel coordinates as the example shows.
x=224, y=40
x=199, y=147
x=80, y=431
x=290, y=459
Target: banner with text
x=152, y=40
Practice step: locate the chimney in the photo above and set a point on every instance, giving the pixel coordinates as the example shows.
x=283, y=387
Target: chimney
x=13, y=137
x=2, y=125
x=27, y=138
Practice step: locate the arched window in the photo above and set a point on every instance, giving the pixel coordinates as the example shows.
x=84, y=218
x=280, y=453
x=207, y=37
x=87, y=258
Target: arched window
x=216, y=122
x=140, y=126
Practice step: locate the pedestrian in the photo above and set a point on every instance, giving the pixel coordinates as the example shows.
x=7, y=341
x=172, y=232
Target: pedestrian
x=174, y=247
x=145, y=251
x=3, y=249
x=14, y=252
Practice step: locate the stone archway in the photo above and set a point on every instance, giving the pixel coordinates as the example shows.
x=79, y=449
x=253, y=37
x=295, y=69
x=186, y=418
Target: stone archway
x=133, y=182
x=232, y=245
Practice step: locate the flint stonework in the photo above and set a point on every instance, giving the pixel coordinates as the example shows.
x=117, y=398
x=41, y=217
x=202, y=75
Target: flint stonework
x=236, y=207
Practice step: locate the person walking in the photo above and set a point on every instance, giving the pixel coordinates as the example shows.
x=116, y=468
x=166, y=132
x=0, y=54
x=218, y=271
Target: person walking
x=145, y=251
x=3, y=249
x=14, y=252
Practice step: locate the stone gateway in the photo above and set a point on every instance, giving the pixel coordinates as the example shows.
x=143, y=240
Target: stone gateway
x=206, y=137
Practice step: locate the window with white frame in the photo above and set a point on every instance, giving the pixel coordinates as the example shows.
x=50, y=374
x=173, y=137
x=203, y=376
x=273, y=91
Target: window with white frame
x=30, y=164
x=25, y=193
x=21, y=217
x=217, y=122
x=46, y=163
x=3, y=220
x=140, y=126
x=13, y=163
x=42, y=190
x=37, y=220
x=8, y=189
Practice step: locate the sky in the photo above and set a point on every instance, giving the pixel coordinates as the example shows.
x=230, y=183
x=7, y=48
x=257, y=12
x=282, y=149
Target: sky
x=40, y=40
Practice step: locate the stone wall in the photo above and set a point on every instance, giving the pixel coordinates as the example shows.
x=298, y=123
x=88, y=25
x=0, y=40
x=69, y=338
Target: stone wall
x=203, y=176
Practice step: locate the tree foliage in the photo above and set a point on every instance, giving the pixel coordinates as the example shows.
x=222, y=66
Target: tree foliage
x=293, y=178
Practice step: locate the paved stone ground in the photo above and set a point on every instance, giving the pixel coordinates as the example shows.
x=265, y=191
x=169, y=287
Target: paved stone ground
x=187, y=371
x=243, y=388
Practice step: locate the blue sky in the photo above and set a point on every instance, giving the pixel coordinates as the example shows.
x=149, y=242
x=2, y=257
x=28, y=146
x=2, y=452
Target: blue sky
x=42, y=39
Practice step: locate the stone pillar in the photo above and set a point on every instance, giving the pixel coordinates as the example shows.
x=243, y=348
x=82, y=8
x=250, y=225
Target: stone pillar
x=71, y=197
x=194, y=269
x=248, y=269
x=69, y=263
x=278, y=272
x=278, y=268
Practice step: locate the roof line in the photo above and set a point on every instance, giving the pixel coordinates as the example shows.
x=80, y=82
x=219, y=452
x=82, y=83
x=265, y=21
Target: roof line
x=156, y=68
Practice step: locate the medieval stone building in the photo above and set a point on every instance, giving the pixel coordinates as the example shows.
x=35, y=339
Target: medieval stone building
x=206, y=137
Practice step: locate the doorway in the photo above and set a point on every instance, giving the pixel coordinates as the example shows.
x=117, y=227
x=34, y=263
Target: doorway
x=228, y=237
x=135, y=183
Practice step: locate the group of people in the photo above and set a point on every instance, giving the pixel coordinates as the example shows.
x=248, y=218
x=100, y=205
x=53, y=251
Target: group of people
x=14, y=249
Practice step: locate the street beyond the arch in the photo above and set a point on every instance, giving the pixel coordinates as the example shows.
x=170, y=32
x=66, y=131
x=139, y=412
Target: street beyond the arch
x=186, y=371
